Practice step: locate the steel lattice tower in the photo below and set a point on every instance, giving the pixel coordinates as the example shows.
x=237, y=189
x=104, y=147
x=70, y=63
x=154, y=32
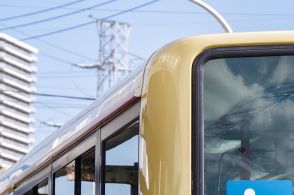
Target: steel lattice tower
x=113, y=52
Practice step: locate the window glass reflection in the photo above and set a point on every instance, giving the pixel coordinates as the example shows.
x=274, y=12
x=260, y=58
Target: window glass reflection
x=88, y=173
x=64, y=180
x=30, y=192
x=42, y=188
x=248, y=120
x=121, y=163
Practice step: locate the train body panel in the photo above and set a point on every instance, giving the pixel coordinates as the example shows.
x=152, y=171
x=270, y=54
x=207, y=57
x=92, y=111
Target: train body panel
x=163, y=87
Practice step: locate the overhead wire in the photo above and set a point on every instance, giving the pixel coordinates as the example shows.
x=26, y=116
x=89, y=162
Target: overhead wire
x=57, y=46
x=62, y=49
x=52, y=95
x=46, y=73
x=40, y=11
x=68, y=76
x=54, y=46
x=154, y=11
x=195, y=12
x=88, y=23
x=64, y=96
x=51, y=124
x=57, y=17
x=56, y=110
x=65, y=104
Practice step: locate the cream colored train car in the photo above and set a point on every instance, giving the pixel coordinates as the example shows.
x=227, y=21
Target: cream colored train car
x=204, y=112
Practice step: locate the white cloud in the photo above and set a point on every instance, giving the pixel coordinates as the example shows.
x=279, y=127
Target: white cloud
x=223, y=89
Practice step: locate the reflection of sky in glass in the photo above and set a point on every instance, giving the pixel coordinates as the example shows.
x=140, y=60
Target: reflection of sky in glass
x=123, y=154
x=64, y=180
x=117, y=189
x=88, y=173
x=248, y=103
x=87, y=188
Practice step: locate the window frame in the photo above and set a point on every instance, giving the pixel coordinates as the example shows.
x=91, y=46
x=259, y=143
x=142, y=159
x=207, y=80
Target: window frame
x=34, y=181
x=114, y=128
x=113, y=124
x=74, y=154
x=197, y=98
x=100, y=134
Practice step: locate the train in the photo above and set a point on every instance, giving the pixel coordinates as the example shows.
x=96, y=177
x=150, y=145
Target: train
x=203, y=113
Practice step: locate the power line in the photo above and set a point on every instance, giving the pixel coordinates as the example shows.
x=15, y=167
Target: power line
x=88, y=23
x=57, y=17
x=63, y=88
x=62, y=104
x=55, y=58
x=59, y=72
x=63, y=96
x=195, y=12
x=40, y=11
x=54, y=46
x=62, y=49
x=51, y=124
x=53, y=95
x=65, y=50
x=157, y=11
x=68, y=76
x=136, y=56
x=57, y=110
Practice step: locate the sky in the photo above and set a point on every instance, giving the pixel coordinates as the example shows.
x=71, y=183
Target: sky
x=153, y=26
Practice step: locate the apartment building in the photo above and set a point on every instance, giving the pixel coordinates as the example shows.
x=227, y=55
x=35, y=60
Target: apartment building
x=16, y=78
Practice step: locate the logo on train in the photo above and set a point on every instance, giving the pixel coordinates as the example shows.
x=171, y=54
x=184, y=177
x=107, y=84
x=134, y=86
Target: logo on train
x=259, y=187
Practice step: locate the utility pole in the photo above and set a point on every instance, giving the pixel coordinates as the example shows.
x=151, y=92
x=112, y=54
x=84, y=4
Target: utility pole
x=113, y=62
x=113, y=52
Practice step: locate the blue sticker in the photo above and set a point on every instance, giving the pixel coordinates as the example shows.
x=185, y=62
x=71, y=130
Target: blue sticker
x=259, y=187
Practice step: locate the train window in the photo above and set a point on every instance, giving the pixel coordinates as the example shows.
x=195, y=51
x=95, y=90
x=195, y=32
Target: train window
x=64, y=180
x=248, y=120
x=42, y=188
x=30, y=192
x=120, y=172
x=88, y=173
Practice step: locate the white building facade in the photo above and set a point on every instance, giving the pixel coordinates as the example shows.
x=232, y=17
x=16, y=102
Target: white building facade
x=16, y=77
